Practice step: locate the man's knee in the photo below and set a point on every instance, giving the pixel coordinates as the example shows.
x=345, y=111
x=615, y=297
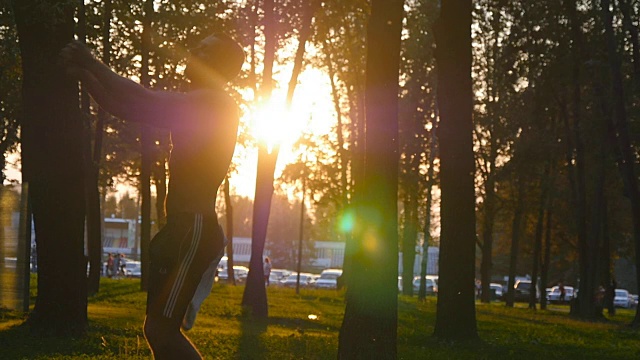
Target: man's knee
x=158, y=331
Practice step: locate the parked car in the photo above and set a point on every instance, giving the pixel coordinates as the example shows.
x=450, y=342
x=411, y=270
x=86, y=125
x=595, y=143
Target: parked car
x=622, y=299
x=431, y=283
x=496, y=291
x=279, y=274
x=523, y=290
x=328, y=279
x=132, y=268
x=306, y=280
x=240, y=273
x=554, y=294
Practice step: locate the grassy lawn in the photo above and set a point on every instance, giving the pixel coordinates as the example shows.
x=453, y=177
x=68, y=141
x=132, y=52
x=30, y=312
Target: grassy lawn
x=222, y=331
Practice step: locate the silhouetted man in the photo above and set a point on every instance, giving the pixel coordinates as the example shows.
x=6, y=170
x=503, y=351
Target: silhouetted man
x=203, y=125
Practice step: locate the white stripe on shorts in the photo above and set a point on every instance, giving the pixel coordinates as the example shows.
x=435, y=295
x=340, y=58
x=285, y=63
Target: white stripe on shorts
x=184, y=266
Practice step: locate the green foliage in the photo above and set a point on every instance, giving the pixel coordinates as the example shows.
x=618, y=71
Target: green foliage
x=223, y=331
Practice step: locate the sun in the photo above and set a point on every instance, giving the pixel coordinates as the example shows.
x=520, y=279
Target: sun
x=274, y=124
x=312, y=112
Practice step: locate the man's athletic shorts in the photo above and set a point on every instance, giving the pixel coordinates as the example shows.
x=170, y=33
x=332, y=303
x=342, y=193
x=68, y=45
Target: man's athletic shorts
x=203, y=290
x=179, y=256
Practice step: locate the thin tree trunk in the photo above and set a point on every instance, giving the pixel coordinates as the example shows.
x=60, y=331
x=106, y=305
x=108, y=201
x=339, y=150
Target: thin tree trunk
x=255, y=295
x=487, y=228
x=516, y=232
x=146, y=143
x=422, y=292
x=409, y=236
x=231, y=278
x=544, y=273
x=92, y=192
x=537, y=248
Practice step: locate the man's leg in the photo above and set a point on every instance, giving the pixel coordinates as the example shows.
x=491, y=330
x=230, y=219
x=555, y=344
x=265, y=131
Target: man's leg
x=180, y=254
x=167, y=341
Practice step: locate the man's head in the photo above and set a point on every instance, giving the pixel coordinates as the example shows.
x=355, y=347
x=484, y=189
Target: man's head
x=216, y=55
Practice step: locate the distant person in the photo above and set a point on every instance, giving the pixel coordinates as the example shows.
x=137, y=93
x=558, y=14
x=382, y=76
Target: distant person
x=267, y=270
x=203, y=124
x=116, y=265
x=110, y=263
x=563, y=292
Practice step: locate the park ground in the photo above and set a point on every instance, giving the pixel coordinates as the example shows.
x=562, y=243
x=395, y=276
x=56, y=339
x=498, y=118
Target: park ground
x=306, y=326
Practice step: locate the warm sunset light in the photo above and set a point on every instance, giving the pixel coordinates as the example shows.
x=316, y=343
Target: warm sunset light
x=312, y=112
x=272, y=124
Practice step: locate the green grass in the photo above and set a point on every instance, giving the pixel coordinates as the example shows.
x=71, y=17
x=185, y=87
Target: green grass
x=222, y=331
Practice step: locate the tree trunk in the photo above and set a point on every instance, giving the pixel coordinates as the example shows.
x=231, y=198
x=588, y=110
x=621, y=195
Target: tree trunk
x=146, y=144
x=409, y=236
x=369, y=328
x=231, y=278
x=91, y=171
x=456, y=316
x=516, y=232
x=255, y=293
x=537, y=247
x=487, y=228
x=619, y=126
x=51, y=151
x=422, y=292
x=544, y=273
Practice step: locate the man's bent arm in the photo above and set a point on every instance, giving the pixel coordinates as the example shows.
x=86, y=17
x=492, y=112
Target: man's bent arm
x=117, y=94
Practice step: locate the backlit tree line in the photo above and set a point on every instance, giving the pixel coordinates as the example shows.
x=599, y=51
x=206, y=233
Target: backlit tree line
x=504, y=132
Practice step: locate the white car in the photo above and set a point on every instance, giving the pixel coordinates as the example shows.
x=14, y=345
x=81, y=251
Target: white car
x=328, y=279
x=132, y=268
x=621, y=299
x=240, y=273
x=431, y=283
x=554, y=294
x=306, y=280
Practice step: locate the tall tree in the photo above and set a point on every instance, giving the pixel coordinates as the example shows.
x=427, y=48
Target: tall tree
x=619, y=128
x=255, y=293
x=369, y=328
x=51, y=151
x=456, y=316
x=92, y=191
x=146, y=143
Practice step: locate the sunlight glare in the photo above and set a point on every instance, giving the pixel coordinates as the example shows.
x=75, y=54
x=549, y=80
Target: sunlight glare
x=272, y=124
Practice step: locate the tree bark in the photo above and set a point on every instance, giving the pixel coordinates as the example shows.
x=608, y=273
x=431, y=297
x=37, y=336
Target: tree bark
x=51, y=151
x=537, y=247
x=369, y=327
x=516, y=232
x=92, y=192
x=231, y=278
x=146, y=144
x=618, y=125
x=456, y=316
x=422, y=292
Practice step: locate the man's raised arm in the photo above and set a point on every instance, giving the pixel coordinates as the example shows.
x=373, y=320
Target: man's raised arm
x=116, y=94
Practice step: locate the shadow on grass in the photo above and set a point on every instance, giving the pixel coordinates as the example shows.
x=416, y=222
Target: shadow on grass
x=251, y=337
x=116, y=288
x=18, y=342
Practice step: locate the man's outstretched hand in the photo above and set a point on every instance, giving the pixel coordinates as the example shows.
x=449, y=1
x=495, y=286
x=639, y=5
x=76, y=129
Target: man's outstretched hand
x=75, y=58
